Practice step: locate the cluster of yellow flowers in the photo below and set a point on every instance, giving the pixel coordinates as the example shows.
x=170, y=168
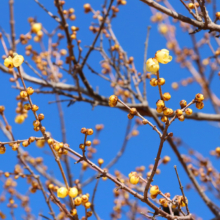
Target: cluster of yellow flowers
x=62, y=192
x=14, y=61
x=37, y=29
x=161, y=56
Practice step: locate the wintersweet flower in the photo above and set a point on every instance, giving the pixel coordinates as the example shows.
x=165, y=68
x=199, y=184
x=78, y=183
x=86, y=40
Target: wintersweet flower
x=152, y=65
x=8, y=62
x=62, y=192
x=18, y=60
x=163, y=56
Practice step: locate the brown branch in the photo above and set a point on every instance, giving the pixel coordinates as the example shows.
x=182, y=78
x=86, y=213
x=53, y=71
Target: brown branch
x=150, y=179
x=12, y=24
x=210, y=26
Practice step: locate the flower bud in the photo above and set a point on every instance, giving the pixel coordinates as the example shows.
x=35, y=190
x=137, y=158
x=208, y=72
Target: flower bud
x=154, y=190
x=62, y=192
x=183, y=103
x=181, y=118
x=87, y=205
x=153, y=82
x=199, y=97
x=163, y=202
x=89, y=131
x=161, y=81
x=130, y=116
x=133, y=111
x=73, y=212
x=166, y=160
x=30, y=90
x=19, y=119
x=200, y=105
x=179, y=112
x=164, y=119
x=188, y=111
x=191, y=5
x=113, y=101
x=73, y=192
x=77, y=201
x=160, y=104
x=23, y=94
x=159, y=110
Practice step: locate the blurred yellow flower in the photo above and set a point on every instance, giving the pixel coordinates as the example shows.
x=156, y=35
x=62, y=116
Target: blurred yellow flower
x=163, y=56
x=18, y=60
x=8, y=62
x=152, y=65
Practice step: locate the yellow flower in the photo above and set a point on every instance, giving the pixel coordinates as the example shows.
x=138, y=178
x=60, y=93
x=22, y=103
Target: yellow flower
x=163, y=56
x=73, y=192
x=18, y=60
x=152, y=65
x=36, y=27
x=163, y=29
x=19, y=119
x=62, y=192
x=8, y=62
x=40, y=143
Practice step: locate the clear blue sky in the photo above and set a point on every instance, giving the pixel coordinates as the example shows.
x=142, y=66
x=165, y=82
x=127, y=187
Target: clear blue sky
x=130, y=28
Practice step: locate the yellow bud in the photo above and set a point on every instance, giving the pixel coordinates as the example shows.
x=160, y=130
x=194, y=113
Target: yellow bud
x=191, y=5
x=166, y=96
x=164, y=119
x=154, y=190
x=200, y=105
x=89, y=131
x=2, y=149
x=163, y=29
x=160, y=104
x=73, y=192
x=73, y=212
x=199, y=97
x=161, y=81
x=77, y=201
x=166, y=160
x=40, y=143
x=163, y=202
x=163, y=56
x=179, y=112
x=181, y=118
x=84, y=198
x=113, y=101
x=87, y=205
x=153, y=82
x=188, y=111
x=159, y=110
x=62, y=192
x=30, y=90
x=23, y=94
x=19, y=119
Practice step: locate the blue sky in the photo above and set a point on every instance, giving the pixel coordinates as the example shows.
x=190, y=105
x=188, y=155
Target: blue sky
x=130, y=28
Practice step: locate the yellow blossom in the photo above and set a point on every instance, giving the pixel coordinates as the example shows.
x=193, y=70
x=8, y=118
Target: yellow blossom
x=152, y=65
x=8, y=62
x=19, y=119
x=163, y=29
x=36, y=27
x=62, y=192
x=163, y=56
x=18, y=60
